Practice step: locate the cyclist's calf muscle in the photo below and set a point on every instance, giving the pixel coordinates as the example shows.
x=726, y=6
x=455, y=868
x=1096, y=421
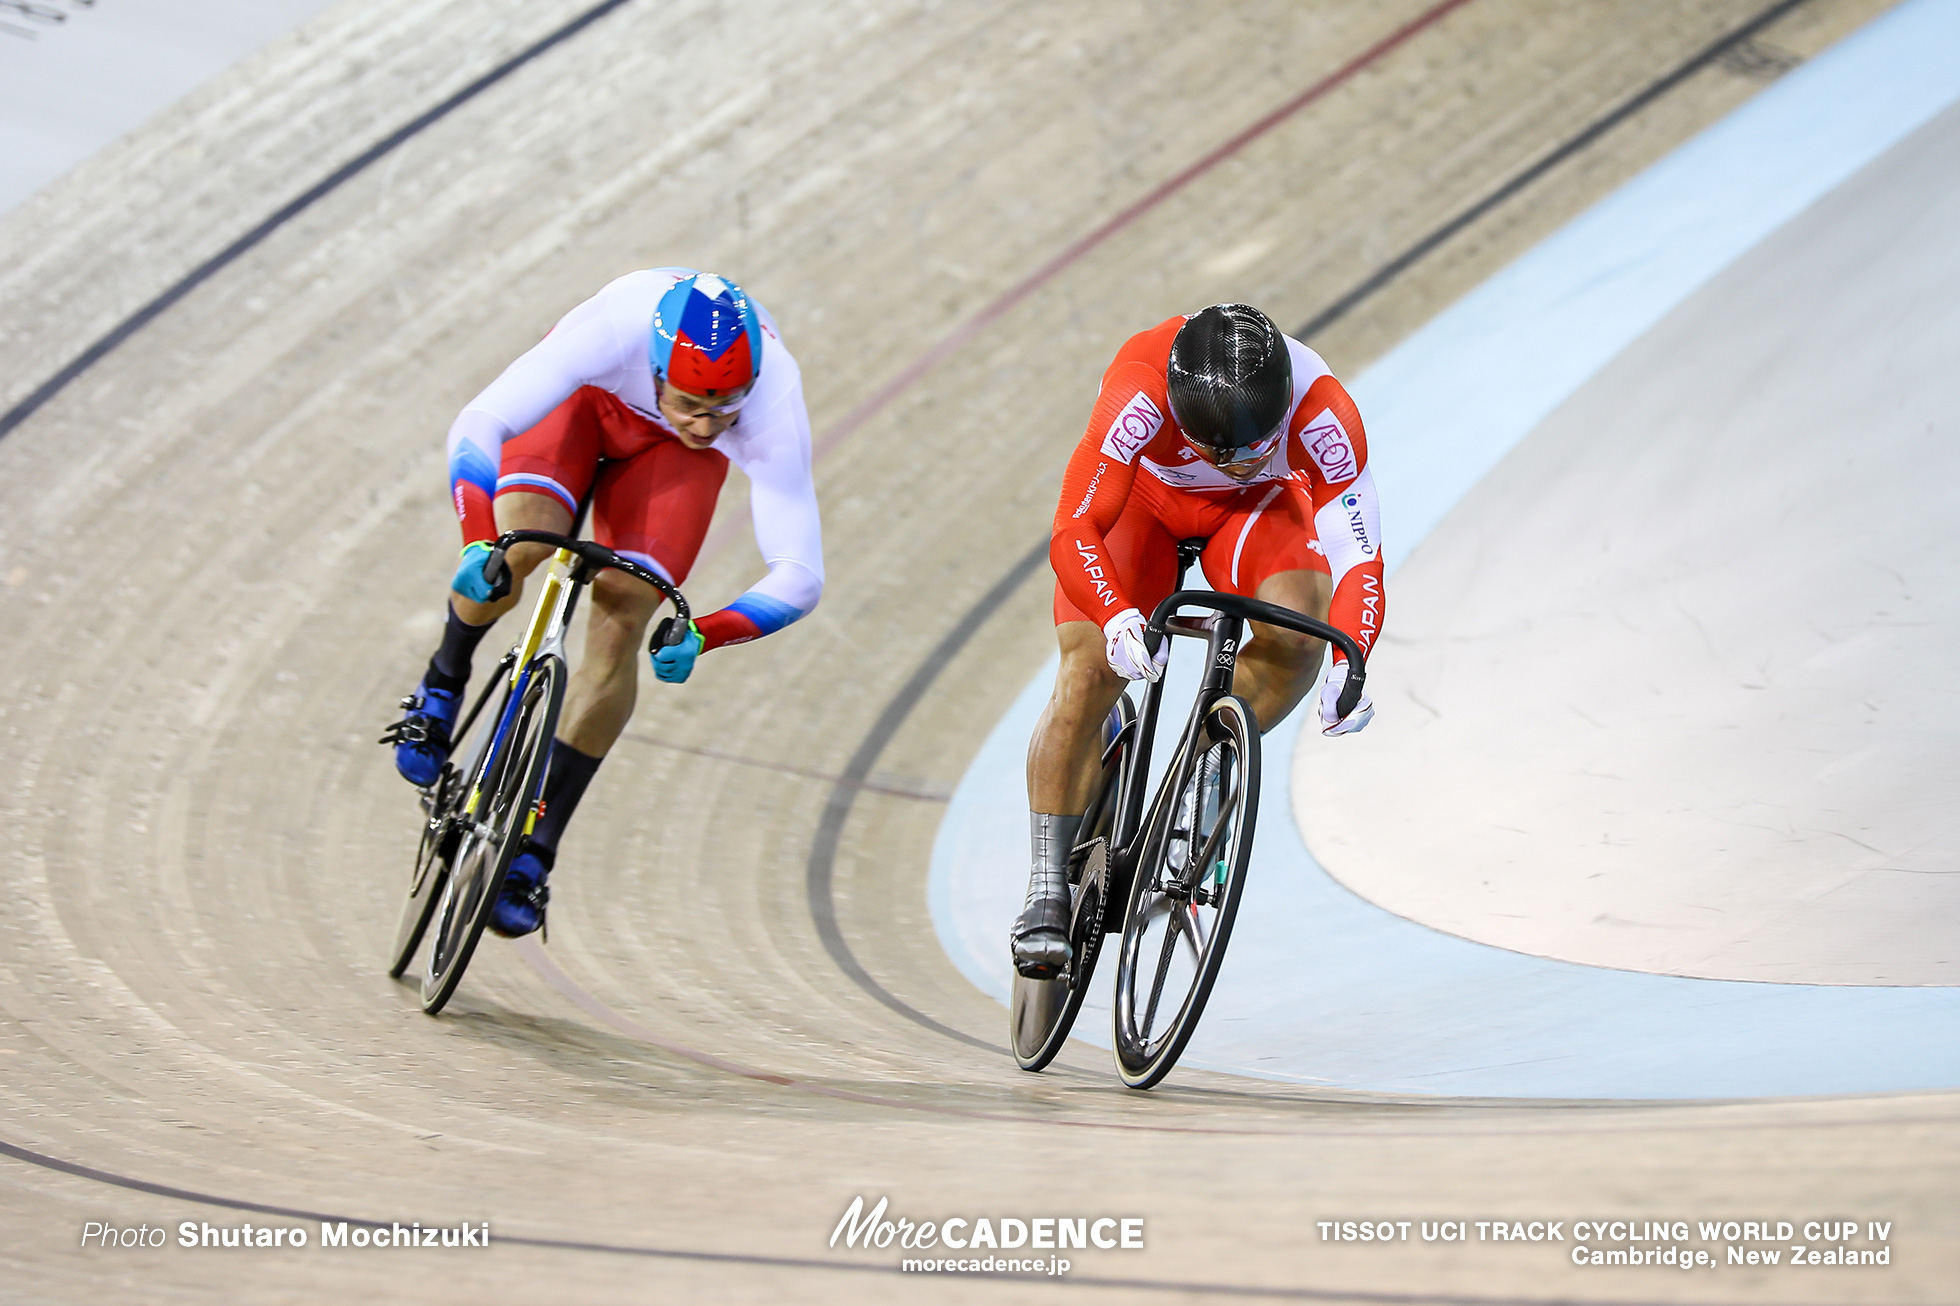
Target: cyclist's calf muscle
x=1065, y=749
x=604, y=686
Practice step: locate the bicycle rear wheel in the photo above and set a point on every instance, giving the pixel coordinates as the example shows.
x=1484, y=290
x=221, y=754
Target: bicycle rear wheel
x=431, y=871
x=1043, y=1011
x=496, y=814
x=440, y=831
x=1185, y=895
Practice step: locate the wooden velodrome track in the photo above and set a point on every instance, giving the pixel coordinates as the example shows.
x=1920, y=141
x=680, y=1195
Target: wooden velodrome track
x=222, y=546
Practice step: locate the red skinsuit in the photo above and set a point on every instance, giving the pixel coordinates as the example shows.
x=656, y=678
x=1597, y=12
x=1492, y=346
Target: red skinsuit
x=1312, y=506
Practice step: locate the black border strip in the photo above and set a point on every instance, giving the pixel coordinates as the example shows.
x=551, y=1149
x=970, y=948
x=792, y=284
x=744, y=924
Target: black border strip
x=1402, y=262
x=204, y=271
x=844, y=791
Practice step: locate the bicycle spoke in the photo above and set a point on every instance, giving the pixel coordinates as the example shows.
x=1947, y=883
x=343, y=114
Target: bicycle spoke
x=1194, y=935
x=1210, y=857
x=1164, y=956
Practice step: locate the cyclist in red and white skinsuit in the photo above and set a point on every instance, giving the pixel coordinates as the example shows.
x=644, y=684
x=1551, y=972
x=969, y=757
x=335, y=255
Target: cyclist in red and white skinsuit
x=1212, y=426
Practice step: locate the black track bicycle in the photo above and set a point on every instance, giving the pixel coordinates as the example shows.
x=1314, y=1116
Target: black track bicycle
x=1167, y=874
x=477, y=812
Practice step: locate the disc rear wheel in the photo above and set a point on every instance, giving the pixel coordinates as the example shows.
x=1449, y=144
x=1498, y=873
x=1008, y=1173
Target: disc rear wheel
x=1043, y=1011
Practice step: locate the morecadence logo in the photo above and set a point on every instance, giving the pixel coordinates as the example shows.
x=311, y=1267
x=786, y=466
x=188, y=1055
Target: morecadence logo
x=878, y=1229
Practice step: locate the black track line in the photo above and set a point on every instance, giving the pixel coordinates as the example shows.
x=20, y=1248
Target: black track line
x=204, y=271
x=818, y=877
x=1402, y=262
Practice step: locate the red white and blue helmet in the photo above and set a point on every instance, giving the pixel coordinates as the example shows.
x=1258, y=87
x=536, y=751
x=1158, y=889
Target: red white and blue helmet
x=706, y=338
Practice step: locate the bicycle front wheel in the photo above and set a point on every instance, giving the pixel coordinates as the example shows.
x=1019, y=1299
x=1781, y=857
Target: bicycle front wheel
x=1185, y=893
x=497, y=812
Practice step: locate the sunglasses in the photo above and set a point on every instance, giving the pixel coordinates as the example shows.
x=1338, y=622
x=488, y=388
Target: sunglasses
x=695, y=406
x=1247, y=459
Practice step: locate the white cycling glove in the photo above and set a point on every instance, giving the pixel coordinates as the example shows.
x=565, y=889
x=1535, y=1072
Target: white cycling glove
x=1331, y=722
x=1123, y=642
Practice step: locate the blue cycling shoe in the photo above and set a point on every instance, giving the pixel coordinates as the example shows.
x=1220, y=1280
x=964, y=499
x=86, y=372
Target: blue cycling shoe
x=519, y=909
x=421, y=737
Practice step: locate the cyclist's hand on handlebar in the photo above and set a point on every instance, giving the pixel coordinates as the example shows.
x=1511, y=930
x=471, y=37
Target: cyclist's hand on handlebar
x=1330, y=695
x=674, y=663
x=1128, y=656
x=470, y=581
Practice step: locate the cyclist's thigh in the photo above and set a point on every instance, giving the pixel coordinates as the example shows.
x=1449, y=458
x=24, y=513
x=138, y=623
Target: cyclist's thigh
x=526, y=510
x=655, y=506
x=557, y=458
x=1303, y=590
x=532, y=512
x=1142, y=549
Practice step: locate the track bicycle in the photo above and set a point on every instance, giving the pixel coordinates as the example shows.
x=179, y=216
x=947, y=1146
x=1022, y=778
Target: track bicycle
x=486, y=800
x=1168, y=875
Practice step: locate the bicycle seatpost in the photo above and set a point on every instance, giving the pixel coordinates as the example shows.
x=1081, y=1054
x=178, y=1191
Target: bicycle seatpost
x=1188, y=552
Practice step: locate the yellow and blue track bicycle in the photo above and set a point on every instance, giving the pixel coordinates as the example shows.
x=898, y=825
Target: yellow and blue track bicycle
x=487, y=797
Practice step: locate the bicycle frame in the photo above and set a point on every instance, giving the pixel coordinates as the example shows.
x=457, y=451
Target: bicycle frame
x=571, y=568
x=1223, y=632
x=1104, y=867
x=551, y=617
x=504, y=775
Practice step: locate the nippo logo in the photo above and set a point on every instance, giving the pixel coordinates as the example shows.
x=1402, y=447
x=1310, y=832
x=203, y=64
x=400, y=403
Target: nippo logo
x=1330, y=448
x=1133, y=428
x=1358, y=523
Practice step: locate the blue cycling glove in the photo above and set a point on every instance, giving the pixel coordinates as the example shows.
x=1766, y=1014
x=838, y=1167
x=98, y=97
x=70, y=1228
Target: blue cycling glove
x=470, y=581
x=674, y=663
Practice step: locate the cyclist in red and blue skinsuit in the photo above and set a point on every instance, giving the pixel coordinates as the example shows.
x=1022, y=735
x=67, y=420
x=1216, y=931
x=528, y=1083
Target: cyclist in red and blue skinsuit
x=640, y=397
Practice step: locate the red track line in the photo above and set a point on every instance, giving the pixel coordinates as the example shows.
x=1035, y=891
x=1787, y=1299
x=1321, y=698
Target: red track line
x=1020, y=290
x=878, y=400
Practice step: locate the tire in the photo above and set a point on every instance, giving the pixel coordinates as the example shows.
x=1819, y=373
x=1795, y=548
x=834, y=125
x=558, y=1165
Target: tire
x=1043, y=1011
x=432, y=857
x=505, y=788
x=1185, y=894
x=440, y=831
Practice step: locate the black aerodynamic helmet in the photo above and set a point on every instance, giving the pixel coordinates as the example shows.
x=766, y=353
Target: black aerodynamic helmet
x=1231, y=380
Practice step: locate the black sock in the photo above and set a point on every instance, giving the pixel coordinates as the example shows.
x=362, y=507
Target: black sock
x=450, y=667
x=564, y=785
